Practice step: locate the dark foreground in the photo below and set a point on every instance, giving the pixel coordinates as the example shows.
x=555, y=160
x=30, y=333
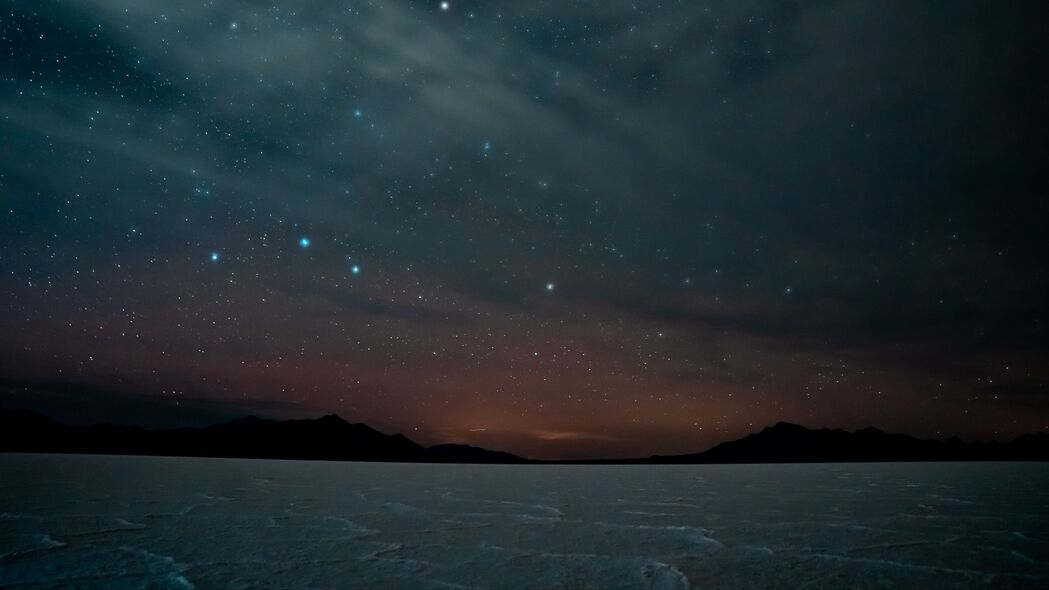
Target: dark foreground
x=152, y=522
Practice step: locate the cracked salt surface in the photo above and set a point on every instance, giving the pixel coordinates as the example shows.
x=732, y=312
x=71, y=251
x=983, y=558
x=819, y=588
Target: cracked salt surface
x=154, y=522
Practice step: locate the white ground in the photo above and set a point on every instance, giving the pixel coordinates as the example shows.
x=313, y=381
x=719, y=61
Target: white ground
x=147, y=522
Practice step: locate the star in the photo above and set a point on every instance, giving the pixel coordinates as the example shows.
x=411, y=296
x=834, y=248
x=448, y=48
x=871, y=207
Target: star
x=445, y=6
x=355, y=269
x=214, y=256
x=304, y=242
x=549, y=286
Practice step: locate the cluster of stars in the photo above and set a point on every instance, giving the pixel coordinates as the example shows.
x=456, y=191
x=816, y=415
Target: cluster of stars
x=551, y=210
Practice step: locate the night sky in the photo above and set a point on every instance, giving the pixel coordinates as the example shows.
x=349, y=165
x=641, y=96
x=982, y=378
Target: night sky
x=562, y=228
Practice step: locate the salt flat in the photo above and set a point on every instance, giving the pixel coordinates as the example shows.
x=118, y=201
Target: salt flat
x=153, y=522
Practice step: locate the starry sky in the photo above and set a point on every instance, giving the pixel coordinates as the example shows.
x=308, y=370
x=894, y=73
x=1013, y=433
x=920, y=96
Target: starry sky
x=561, y=228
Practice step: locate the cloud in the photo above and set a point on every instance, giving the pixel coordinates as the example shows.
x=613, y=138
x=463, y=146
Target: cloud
x=554, y=435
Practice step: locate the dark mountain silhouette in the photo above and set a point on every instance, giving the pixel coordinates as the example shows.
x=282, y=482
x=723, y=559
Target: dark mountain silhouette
x=790, y=443
x=328, y=438
x=333, y=439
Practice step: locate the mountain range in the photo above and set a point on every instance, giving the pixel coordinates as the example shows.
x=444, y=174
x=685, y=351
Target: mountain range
x=330, y=438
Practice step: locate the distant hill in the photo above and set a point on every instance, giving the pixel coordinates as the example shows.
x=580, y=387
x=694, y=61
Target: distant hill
x=326, y=438
x=450, y=453
x=790, y=443
x=331, y=438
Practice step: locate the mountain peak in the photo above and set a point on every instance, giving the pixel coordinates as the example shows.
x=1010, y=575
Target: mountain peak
x=870, y=430
x=784, y=427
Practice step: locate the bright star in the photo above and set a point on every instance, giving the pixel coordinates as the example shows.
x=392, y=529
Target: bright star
x=355, y=269
x=304, y=242
x=214, y=256
x=549, y=286
x=445, y=6
x=358, y=114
